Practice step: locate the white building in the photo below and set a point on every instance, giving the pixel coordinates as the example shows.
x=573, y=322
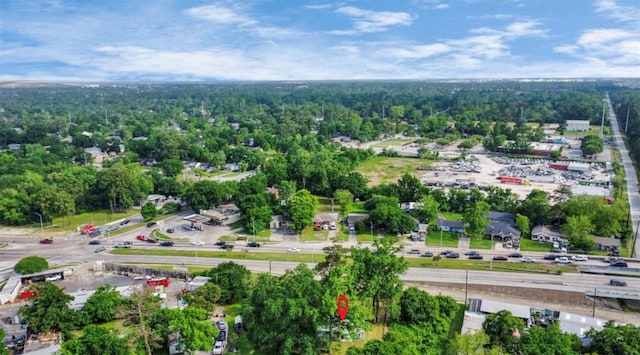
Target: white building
x=10, y=290
x=578, y=125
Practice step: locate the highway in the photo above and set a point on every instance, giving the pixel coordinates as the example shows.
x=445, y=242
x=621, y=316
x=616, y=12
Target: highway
x=630, y=176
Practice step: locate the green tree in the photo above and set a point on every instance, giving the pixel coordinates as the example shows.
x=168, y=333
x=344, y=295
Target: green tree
x=203, y=195
x=475, y=220
x=103, y=305
x=377, y=274
x=549, y=340
x=31, y=265
x=302, y=206
x=501, y=328
x=205, y=297
x=3, y=345
x=138, y=313
x=409, y=188
x=171, y=167
x=149, y=211
x=577, y=229
x=233, y=280
x=96, y=340
x=522, y=223
x=615, y=339
x=343, y=198
x=189, y=324
x=536, y=206
x=429, y=210
x=49, y=311
x=472, y=344
x=283, y=313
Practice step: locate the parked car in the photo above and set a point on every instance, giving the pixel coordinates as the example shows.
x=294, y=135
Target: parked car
x=222, y=325
x=617, y=282
x=551, y=257
x=501, y=258
x=515, y=255
x=218, y=348
x=126, y=221
x=452, y=255
x=151, y=224
x=427, y=254
x=166, y=243
x=222, y=336
x=253, y=244
x=579, y=258
x=619, y=264
x=46, y=241
x=94, y=242
x=476, y=257
x=414, y=251
x=293, y=250
x=563, y=260
x=55, y=277
x=529, y=259
x=170, y=230
x=100, y=249
x=197, y=242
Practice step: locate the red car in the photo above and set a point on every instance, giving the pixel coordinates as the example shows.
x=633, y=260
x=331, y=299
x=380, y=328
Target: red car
x=46, y=241
x=141, y=237
x=501, y=257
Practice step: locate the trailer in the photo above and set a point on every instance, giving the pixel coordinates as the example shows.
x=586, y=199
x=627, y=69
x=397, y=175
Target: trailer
x=514, y=180
x=159, y=282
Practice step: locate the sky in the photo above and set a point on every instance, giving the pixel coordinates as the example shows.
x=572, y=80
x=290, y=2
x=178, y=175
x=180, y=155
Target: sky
x=183, y=40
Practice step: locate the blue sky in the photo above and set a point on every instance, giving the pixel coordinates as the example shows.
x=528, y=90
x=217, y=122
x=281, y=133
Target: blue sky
x=176, y=40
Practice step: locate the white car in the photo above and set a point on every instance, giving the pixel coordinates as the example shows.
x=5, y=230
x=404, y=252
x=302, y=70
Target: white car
x=293, y=250
x=529, y=259
x=197, y=242
x=563, y=260
x=54, y=277
x=580, y=258
x=218, y=347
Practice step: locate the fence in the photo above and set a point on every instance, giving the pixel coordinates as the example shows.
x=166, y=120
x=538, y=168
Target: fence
x=130, y=270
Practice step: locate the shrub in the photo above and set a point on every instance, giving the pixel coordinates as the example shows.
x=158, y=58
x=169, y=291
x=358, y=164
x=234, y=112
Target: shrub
x=31, y=264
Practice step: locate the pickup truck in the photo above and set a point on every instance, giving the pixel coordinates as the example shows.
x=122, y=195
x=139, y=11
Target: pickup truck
x=563, y=260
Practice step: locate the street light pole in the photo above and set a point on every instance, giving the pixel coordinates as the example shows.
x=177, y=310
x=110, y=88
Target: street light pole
x=371, y=223
x=440, y=234
x=41, y=226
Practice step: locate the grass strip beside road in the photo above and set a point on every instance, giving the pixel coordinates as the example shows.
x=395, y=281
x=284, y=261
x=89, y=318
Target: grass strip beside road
x=460, y=264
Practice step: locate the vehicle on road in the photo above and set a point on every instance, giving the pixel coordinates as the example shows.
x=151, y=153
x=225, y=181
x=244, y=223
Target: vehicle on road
x=197, y=242
x=55, y=277
x=253, y=245
x=414, y=251
x=617, y=282
x=427, y=254
x=619, y=264
x=226, y=246
x=220, y=243
x=222, y=336
x=151, y=224
x=123, y=245
x=166, y=243
x=141, y=237
x=501, y=258
x=529, y=259
x=46, y=241
x=170, y=230
x=476, y=257
x=150, y=239
x=293, y=250
x=94, y=242
x=218, y=348
x=612, y=259
x=446, y=252
x=551, y=257
x=100, y=250
x=515, y=255
x=126, y=221
x=563, y=260
x=579, y=258
x=472, y=252
x=95, y=233
x=452, y=255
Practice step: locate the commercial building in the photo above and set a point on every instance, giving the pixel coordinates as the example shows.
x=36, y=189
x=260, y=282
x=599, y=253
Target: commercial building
x=578, y=125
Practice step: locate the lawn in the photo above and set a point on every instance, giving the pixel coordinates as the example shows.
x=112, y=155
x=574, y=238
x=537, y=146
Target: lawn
x=475, y=243
x=245, y=254
x=527, y=244
x=448, y=239
x=324, y=206
x=262, y=236
x=485, y=265
x=375, y=331
x=365, y=237
x=311, y=235
x=388, y=170
x=451, y=216
x=392, y=142
x=356, y=207
x=71, y=223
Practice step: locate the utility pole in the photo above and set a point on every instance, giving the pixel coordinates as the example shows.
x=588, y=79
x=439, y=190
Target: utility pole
x=602, y=121
x=41, y=226
x=593, y=312
x=626, y=123
x=466, y=287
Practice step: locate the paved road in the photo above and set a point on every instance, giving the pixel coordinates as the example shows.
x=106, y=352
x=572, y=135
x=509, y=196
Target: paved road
x=630, y=175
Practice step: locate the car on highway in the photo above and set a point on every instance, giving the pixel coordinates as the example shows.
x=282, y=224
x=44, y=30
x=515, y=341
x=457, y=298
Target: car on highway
x=563, y=260
x=166, y=243
x=141, y=237
x=414, y=251
x=293, y=250
x=501, y=258
x=123, y=245
x=253, y=245
x=443, y=253
x=551, y=257
x=126, y=221
x=170, y=230
x=452, y=255
x=220, y=243
x=472, y=252
x=427, y=254
x=100, y=250
x=151, y=224
x=95, y=233
x=515, y=255
x=94, y=242
x=529, y=259
x=612, y=259
x=617, y=282
x=475, y=257
x=619, y=264
x=197, y=242
x=46, y=241
x=579, y=258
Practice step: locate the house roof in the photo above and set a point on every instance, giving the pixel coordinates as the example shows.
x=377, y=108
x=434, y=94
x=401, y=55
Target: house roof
x=450, y=224
x=353, y=218
x=606, y=241
x=518, y=310
x=502, y=229
x=326, y=217
x=501, y=216
x=546, y=230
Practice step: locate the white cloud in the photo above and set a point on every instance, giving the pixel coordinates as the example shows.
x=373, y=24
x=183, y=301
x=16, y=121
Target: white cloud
x=596, y=37
x=219, y=14
x=366, y=21
x=618, y=12
x=417, y=51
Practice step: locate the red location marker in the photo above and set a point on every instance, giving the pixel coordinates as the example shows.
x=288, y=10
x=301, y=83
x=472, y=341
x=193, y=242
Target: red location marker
x=343, y=306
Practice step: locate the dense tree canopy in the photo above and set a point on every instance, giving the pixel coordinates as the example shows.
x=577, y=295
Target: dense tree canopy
x=31, y=265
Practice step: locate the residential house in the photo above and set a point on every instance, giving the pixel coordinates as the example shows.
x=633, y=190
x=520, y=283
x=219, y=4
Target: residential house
x=502, y=226
x=410, y=206
x=325, y=221
x=451, y=226
x=281, y=222
x=606, y=243
x=354, y=218
x=546, y=234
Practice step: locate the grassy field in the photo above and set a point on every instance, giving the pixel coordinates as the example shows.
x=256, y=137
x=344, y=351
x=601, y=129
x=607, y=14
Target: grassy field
x=475, y=243
x=451, y=216
x=392, y=142
x=245, y=254
x=448, y=239
x=70, y=223
x=388, y=170
x=310, y=235
x=527, y=244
